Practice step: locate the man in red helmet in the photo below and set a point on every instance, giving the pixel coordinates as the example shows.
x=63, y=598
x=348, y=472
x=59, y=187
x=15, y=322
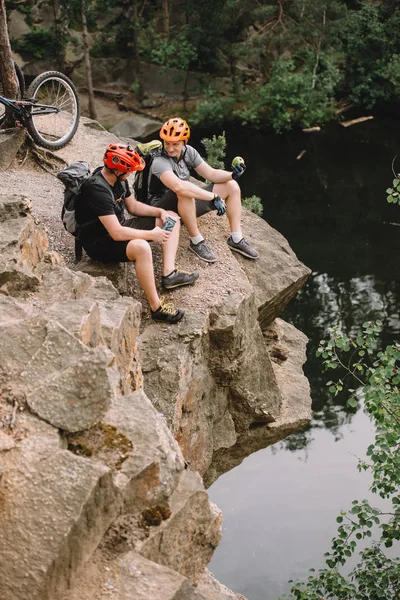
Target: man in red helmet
x=170, y=187
x=107, y=235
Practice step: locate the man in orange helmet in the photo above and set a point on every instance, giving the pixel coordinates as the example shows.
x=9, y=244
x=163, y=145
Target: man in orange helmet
x=106, y=235
x=170, y=188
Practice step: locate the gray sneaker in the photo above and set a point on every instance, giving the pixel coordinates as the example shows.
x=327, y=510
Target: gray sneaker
x=203, y=251
x=244, y=248
x=178, y=278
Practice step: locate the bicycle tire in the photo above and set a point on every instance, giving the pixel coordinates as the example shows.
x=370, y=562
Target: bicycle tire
x=21, y=90
x=53, y=131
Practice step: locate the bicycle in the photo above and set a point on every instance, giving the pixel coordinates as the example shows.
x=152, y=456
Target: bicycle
x=50, y=112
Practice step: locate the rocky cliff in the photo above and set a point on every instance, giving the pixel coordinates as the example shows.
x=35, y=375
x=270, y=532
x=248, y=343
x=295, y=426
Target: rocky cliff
x=109, y=423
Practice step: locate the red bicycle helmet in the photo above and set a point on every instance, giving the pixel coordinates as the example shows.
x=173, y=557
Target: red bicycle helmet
x=175, y=130
x=123, y=158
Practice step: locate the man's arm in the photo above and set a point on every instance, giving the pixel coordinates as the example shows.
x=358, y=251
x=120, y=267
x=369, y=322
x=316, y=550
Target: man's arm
x=184, y=188
x=213, y=175
x=119, y=233
x=140, y=209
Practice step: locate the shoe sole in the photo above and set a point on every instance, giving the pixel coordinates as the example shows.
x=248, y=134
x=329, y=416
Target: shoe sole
x=171, y=322
x=201, y=258
x=171, y=287
x=243, y=253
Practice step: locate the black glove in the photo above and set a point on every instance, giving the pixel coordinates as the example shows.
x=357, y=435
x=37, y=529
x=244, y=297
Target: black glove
x=219, y=205
x=238, y=170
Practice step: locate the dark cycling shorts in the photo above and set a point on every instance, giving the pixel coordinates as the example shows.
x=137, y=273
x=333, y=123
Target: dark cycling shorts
x=170, y=202
x=105, y=249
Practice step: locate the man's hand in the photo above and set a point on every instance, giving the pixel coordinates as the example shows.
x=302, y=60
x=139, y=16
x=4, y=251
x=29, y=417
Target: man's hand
x=219, y=205
x=238, y=167
x=163, y=215
x=159, y=235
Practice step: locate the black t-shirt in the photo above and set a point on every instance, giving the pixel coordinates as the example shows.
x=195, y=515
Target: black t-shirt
x=97, y=198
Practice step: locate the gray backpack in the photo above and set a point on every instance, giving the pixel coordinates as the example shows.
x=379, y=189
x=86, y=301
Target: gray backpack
x=72, y=177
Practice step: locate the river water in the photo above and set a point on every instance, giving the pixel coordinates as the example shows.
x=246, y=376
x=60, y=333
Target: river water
x=280, y=504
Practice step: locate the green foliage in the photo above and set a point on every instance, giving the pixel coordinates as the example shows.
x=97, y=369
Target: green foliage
x=370, y=44
x=215, y=154
x=215, y=150
x=377, y=378
x=393, y=194
x=214, y=111
x=38, y=43
x=289, y=99
x=177, y=51
x=253, y=203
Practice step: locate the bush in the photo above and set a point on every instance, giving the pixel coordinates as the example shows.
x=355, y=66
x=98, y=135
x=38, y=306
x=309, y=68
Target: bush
x=39, y=43
x=253, y=203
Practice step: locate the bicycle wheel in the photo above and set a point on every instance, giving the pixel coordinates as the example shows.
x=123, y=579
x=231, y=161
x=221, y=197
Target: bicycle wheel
x=21, y=90
x=53, y=130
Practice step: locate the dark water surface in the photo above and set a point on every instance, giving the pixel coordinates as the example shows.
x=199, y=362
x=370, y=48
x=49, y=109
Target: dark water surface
x=280, y=504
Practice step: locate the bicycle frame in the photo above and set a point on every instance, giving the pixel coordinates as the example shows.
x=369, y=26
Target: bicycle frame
x=26, y=108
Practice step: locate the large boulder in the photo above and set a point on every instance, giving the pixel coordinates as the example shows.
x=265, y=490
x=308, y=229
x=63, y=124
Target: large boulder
x=55, y=509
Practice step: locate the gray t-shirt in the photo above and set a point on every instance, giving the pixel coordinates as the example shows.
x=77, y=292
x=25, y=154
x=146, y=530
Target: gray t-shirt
x=190, y=159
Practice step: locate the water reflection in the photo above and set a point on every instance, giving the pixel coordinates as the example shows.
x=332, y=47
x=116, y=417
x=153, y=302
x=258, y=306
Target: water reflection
x=280, y=504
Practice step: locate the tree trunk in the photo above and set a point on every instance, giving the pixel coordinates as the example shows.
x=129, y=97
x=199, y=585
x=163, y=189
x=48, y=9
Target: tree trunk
x=139, y=78
x=59, y=29
x=165, y=17
x=7, y=70
x=88, y=64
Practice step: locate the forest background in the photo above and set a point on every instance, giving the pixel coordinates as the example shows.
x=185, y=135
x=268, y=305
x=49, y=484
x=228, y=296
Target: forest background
x=285, y=63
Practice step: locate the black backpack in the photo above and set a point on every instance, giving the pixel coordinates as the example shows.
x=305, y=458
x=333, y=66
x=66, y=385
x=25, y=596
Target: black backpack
x=72, y=177
x=141, y=182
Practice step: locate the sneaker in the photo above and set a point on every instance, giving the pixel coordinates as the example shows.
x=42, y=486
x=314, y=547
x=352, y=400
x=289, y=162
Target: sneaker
x=167, y=313
x=178, y=278
x=148, y=146
x=203, y=251
x=243, y=247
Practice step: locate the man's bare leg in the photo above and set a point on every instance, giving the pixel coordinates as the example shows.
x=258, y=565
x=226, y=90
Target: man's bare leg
x=140, y=252
x=230, y=192
x=187, y=212
x=170, y=247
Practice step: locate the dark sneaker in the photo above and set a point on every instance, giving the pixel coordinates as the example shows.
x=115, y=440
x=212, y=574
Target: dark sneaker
x=243, y=247
x=178, y=278
x=203, y=251
x=167, y=313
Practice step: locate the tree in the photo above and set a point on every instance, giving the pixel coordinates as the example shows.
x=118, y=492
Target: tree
x=88, y=64
x=7, y=70
x=377, y=377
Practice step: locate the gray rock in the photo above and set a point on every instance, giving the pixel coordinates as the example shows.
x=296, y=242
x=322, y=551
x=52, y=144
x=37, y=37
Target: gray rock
x=22, y=246
x=150, y=472
x=11, y=141
x=70, y=385
x=6, y=441
x=211, y=589
x=82, y=319
x=13, y=206
x=136, y=126
x=287, y=350
x=278, y=274
x=91, y=124
x=186, y=541
x=142, y=579
x=120, y=320
x=117, y=273
x=55, y=510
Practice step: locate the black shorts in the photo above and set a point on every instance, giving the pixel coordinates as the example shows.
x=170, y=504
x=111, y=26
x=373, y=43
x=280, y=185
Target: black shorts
x=105, y=249
x=170, y=202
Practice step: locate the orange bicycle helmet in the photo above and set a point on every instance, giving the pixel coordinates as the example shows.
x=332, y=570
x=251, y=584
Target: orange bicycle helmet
x=175, y=130
x=123, y=158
